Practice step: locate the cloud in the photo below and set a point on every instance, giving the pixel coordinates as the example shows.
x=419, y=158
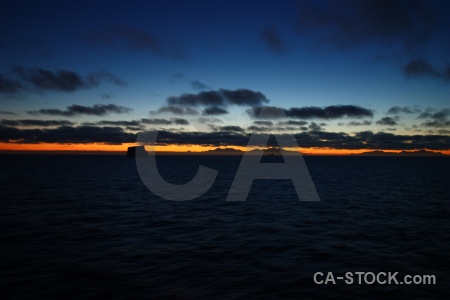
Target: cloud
x=431, y=113
x=204, y=120
x=231, y=128
x=244, y=97
x=116, y=135
x=202, y=98
x=134, y=128
x=264, y=123
x=387, y=121
x=119, y=123
x=42, y=123
x=271, y=112
x=290, y=128
x=222, y=97
x=347, y=23
x=214, y=111
x=370, y=140
x=292, y=122
x=314, y=127
x=258, y=128
x=95, y=78
x=61, y=80
x=272, y=40
x=10, y=86
x=439, y=118
x=423, y=68
x=67, y=134
x=221, y=138
x=363, y=123
x=74, y=110
x=173, y=121
x=443, y=131
x=338, y=140
x=156, y=121
x=137, y=40
x=178, y=121
x=351, y=111
x=436, y=123
x=313, y=112
x=404, y=109
x=176, y=110
x=383, y=140
x=5, y=112
x=214, y=101
x=197, y=85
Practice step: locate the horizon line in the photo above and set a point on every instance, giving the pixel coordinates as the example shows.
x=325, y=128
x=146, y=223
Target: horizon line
x=230, y=152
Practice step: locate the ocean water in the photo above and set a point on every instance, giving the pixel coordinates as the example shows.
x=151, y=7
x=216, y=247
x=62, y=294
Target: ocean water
x=81, y=227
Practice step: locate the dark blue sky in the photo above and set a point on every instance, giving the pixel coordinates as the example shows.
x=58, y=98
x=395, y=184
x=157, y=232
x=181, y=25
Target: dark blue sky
x=344, y=67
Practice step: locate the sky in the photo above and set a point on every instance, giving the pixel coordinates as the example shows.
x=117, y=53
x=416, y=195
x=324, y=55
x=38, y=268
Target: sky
x=341, y=76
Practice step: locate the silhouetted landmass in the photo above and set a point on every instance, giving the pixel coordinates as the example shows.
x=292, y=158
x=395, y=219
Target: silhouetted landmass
x=226, y=151
x=132, y=151
x=403, y=153
x=271, y=151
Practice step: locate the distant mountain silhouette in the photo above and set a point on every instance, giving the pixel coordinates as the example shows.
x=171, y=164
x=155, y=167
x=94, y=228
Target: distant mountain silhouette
x=403, y=153
x=275, y=151
x=272, y=151
x=226, y=151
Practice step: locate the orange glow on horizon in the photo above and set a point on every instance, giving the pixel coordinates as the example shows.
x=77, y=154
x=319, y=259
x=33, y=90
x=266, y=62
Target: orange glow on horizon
x=102, y=147
x=171, y=148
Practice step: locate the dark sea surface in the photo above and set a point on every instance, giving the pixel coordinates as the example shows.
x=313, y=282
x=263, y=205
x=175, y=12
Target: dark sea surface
x=80, y=227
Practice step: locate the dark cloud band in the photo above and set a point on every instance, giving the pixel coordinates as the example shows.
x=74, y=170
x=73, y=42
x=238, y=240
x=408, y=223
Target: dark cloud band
x=313, y=112
x=214, y=111
x=226, y=137
x=387, y=121
x=222, y=97
x=36, y=123
x=404, y=109
x=74, y=110
x=29, y=79
x=423, y=68
x=173, y=121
